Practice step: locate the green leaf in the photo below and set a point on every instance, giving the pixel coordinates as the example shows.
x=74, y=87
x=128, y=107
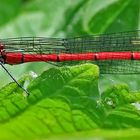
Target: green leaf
x=122, y=108
x=58, y=104
x=73, y=18
x=66, y=100
x=112, y=16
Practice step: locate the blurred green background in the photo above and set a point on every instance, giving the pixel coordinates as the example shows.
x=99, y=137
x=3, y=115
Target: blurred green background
x=63, y=18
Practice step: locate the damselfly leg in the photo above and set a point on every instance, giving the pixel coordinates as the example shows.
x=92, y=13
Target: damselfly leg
x=19, y=85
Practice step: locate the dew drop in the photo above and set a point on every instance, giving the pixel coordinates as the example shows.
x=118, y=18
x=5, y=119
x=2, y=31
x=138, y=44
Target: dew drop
x=136, y=105
x=109, y=101
x=33, y=74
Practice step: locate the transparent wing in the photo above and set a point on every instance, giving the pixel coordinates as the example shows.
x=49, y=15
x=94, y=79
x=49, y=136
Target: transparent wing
x=123, y=41
x=36, y=45
x=119, y=66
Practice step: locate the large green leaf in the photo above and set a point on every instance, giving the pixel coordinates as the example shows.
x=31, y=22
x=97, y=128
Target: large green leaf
x=58, y=104
x=67, y=100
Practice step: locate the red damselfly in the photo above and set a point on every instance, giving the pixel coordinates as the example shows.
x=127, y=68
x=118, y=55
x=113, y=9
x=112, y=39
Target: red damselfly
x=117, y=53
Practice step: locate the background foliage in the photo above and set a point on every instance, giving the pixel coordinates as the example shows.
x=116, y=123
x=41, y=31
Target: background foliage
x=63, y=18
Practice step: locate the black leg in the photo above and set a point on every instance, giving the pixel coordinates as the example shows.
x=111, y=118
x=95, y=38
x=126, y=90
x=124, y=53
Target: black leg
x=14, y=79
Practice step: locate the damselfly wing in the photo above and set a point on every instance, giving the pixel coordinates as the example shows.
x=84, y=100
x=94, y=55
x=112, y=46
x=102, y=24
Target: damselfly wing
x=78, y=50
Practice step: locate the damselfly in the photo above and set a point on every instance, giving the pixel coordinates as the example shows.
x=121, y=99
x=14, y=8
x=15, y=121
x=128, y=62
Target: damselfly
x=117, y=53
